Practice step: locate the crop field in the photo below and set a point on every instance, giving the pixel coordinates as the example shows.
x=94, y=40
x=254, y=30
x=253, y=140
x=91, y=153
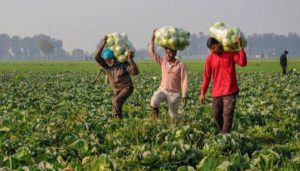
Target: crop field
x=54, y=117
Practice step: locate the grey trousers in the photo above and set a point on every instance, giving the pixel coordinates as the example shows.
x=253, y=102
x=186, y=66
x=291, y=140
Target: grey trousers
x=119, y=98
x=223, y=109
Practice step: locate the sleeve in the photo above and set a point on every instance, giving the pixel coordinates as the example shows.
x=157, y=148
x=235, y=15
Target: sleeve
x=285, y=61
x=102, y=63
x=184, y=80
x=206, y=76
x=100, y=60
x=132, y=68
x=240, y=57
x=153, y=54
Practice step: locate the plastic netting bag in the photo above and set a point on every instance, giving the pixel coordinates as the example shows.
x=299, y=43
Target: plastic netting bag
x=227, y=36
x=120, y=45
x=172, y=37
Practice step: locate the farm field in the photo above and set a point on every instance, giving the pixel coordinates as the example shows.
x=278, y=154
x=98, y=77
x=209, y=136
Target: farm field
x=144, y=66
x=53, y=116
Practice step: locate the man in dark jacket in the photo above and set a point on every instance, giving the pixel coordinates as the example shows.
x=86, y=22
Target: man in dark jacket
x=118, y=76
x=283, y=61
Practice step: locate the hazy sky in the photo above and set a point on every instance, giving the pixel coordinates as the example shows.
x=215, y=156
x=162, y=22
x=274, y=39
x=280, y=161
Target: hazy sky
x=82, y=23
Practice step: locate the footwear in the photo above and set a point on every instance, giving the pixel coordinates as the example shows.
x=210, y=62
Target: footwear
x=119, y=116
x=155, y=112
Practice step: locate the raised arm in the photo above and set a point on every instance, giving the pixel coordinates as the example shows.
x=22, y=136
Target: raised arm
x=240, y=57
x=151, y=49
x=98, y=57
x=132, y=68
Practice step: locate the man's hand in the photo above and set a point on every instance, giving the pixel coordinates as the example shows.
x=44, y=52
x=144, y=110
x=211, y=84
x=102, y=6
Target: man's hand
x=184, y=101
x=240, y=42
x=130, y=55
x=153, y=35
x=105, y=39
x=202, y=99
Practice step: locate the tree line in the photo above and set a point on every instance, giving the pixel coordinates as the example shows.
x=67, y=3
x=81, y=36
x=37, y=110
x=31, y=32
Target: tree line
x=41, y=46
x=36, y=47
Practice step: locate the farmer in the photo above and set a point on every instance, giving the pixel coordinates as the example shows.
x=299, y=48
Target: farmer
x=283, y=61
x=174, y=78
x=118, y=76
x=220, y=65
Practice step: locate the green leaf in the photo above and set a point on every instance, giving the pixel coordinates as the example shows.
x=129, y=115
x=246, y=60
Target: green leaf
x=80, y=145
x=224, y=166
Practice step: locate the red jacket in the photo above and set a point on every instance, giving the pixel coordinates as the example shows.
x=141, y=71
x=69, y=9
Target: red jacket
x=222, y=68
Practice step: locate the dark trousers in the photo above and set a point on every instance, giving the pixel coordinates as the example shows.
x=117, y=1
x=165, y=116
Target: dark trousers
x=283, y=69
x=118, y=100
x=223, y=109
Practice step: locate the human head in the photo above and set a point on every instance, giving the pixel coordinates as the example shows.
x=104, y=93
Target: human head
x=108, y=56
x=286, y=52
x=214, y=45
x=170, y=54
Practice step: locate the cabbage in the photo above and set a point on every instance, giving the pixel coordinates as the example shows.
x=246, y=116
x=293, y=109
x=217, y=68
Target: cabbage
x=185, y=168
x=173, y=42
x=22, y=153
x=110, y=42
x=80, y=145
x=234, y=37
x=226, y=48
x=236, y=30
x=227, y=36
x=179, y=154
x=119, y=44
x=227, y=42
x=218, y=24
x=119, y=50
x=179, y=133
x=172, y=37
x=87, y=160
x=102, y=162
x=122, y=58
x=148, y=158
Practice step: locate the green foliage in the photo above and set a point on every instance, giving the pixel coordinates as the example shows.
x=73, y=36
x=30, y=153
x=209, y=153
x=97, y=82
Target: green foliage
x=144, y=66
x=58, y=120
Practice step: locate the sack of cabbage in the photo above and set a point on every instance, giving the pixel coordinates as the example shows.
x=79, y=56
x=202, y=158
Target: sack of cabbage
x=227, y=36
x=120, y=45
x=172, y=37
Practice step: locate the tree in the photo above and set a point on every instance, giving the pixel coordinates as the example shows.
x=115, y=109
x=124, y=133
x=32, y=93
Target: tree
x=78, y=53
x=5, y=46
x=16, y=47
x=46, y=45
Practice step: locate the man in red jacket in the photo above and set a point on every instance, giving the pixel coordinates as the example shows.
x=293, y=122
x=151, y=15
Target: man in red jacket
x=221, y=66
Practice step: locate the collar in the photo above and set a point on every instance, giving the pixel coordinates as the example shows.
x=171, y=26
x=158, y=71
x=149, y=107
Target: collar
x=174, y=63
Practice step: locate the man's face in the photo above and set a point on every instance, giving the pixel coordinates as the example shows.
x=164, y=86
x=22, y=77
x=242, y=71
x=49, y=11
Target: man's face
x=216, y=48
x=109, y=62
x=171, y=54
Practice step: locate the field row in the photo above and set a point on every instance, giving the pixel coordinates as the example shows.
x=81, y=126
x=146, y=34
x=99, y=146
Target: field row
x=145, y=66
x=58, y=120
